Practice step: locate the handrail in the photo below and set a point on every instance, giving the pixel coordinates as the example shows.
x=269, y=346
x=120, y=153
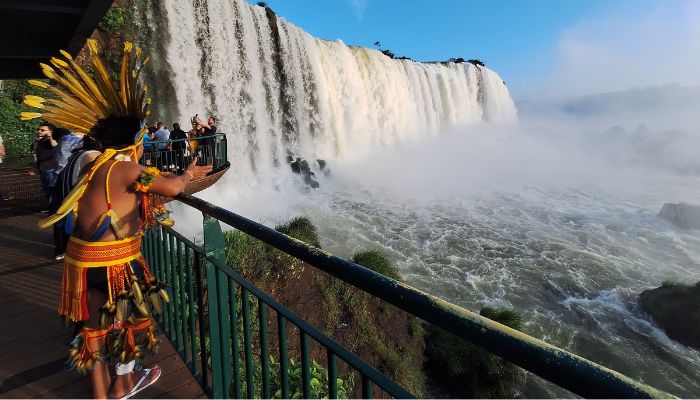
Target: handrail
x=565, y=369
x=213, y=333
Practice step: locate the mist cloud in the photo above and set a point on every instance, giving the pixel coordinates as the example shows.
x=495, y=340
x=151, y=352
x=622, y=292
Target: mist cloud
x=619, y=52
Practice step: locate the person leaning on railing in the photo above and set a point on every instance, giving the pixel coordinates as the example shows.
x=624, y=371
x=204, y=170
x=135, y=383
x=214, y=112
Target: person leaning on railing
x=3, y=194
x=162, y=135
x=179, y=135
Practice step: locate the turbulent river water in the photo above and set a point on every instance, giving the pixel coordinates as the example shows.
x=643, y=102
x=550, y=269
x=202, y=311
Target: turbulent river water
x=471, y=214
x=570, y=249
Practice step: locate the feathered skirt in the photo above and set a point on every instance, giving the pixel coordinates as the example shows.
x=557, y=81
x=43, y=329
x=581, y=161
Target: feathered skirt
x=133, y=294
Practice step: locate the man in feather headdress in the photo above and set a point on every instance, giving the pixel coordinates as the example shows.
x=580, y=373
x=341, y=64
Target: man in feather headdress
x=107, y=287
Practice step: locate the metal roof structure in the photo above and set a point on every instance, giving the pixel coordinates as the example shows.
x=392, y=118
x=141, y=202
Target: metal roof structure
x=32, y=31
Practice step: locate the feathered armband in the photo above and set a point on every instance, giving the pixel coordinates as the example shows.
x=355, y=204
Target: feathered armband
x=146, y=179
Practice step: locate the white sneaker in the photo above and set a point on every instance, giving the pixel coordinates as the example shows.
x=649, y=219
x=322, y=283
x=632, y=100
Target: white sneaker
x=59, y=257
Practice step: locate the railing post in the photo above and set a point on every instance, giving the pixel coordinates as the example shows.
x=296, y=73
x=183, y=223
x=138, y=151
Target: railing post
x=218, y=310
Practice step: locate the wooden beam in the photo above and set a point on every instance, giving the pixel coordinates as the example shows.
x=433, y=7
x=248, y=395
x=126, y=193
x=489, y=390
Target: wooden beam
x=23, y=5
x=33, y=46
x=93, y=13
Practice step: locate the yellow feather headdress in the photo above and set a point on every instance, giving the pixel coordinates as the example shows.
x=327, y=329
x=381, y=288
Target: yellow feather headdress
x=81, y=100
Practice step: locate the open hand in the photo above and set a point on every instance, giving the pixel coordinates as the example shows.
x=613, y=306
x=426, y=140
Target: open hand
x=197, y=171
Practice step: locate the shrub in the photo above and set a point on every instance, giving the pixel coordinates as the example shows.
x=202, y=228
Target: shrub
x=17, y=135
x=377, y=262
x=302, y=229
x=476, y=62
x=116, y=19
x=255, y=259
x=468, y=371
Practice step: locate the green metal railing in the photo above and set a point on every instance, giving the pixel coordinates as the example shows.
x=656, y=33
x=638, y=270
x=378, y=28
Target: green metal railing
x=210, y=319
x=209, y=322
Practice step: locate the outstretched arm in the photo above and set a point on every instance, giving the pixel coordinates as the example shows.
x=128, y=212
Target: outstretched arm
x=202, y=123
x=167, y=185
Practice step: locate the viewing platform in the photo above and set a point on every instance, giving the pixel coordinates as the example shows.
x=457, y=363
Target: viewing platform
x=34, y=339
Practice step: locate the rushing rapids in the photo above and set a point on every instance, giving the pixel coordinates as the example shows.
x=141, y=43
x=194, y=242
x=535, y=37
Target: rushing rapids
x=277, y=89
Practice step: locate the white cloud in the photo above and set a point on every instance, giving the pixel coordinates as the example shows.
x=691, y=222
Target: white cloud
x=619, y=52
x=358, y=7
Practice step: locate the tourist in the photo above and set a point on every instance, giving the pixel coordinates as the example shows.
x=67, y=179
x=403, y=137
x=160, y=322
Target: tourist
x=162, y=136
x=208, y=131
x=70, y=156
x=42, y=148
x=193, y=134
x=67, y=143
x=3, y=194
x=178, y=134
x=148, y=139
x=107, y=286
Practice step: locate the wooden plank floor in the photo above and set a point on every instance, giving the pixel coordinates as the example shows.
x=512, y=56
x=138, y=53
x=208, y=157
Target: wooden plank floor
x=34, y=341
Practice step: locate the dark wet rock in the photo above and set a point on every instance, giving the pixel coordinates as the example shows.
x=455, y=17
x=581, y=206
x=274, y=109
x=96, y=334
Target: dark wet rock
x=676, y=309
x=301, y=167
x=323, y=167
x=682, y=215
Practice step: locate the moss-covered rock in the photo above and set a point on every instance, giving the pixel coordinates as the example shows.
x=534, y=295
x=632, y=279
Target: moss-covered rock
x=676, y=309
x=457, y=368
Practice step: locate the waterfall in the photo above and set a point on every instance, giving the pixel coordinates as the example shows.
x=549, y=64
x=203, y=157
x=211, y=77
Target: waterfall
x=277, y=90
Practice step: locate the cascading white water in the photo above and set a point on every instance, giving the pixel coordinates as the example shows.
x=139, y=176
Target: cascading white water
x=277, y=90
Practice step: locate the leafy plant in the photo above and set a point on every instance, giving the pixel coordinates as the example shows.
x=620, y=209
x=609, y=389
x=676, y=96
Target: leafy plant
x=116, y=19
x=318, y=380
x=17, y=135
x=247, y=255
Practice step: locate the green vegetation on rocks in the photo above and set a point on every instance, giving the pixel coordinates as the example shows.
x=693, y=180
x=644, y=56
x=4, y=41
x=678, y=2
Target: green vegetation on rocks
x=116, y=19
x=257, y=260
x=17, y=135
x=300, y=228
x=392, y=340
x=376, y=322
x=461, y=369
x=377, y=262
x=387, y=338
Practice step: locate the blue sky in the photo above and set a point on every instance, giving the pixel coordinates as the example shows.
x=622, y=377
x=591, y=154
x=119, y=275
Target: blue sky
x=539, y=47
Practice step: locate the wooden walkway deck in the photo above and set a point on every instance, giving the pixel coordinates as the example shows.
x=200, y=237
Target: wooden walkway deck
x=34, y=341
